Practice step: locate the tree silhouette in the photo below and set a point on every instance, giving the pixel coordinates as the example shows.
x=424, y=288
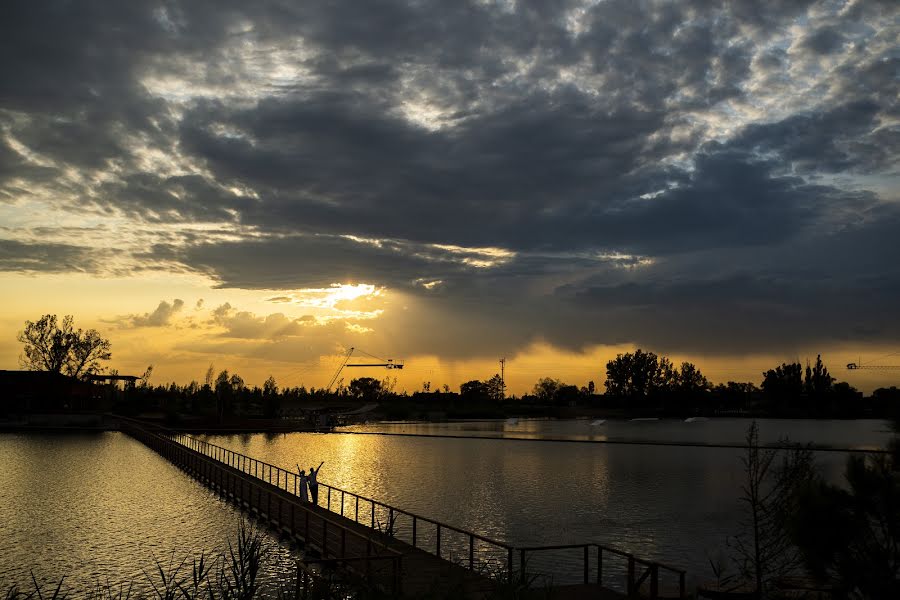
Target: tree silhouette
x=473, y=391
x=690, y=380
x=60, y=348
x=785, y=380
x=771, y=494
x=639, y=374
x=817, y=381
x=366, y=388
x=859, y=550
x=494, y=387
x=546, y=389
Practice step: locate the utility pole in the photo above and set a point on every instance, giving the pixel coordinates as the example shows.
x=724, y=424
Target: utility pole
x=502, y=378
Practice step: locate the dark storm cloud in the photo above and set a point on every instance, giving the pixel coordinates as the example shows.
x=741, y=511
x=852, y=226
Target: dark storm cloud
x=49, y=258
x=630, y=161
x=331, y=164
x=845, y=138
x=824, y=41
x=175, y=199
x=318, y=261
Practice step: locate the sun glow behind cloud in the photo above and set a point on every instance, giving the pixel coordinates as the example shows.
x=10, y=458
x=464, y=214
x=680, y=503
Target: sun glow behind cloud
x=453, y=190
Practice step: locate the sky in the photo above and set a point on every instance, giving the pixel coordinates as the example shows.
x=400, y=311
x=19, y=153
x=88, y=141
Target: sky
x=262, y=185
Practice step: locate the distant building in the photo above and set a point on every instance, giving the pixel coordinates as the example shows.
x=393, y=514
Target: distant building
x=23, y=392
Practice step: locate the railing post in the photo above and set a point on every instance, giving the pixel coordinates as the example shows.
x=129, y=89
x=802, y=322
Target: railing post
x=600, y=565
x=414, y=531
x=471, y=552
x=630, y=584
x=342, y=503
x=390, y=523
x=509, y=564
x=329, y=497
x=654, y=581
x=586, y=561
x=439, y=540
x=373, y=514
x=356, y=518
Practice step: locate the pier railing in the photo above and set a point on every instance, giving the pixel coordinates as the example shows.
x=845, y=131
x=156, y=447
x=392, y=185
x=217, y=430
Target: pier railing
x=460, y=546
x=638, y=571
x=454, y=544
x=367, y=554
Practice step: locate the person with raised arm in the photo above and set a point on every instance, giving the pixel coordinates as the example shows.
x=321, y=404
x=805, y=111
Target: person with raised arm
x=304, y=497
x=313, y=483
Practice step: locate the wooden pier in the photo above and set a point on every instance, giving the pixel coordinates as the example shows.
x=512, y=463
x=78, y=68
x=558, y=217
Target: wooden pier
x=399, y=552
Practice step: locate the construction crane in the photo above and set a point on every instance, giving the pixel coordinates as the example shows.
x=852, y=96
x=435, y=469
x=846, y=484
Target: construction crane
x=868, y=365
x=390, y=363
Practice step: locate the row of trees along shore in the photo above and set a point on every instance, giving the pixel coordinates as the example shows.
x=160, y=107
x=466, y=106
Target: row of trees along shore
x=636, y=382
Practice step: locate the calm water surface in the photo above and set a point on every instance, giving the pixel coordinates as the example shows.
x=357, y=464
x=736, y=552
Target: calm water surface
x=673, y=504
x=103, y=506
x=861, y=434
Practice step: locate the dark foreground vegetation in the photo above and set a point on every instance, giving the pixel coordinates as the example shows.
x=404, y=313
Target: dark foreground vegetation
x=803, y=537
x=239, y=574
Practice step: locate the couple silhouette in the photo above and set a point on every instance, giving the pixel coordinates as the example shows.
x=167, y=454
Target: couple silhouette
x=310, y=481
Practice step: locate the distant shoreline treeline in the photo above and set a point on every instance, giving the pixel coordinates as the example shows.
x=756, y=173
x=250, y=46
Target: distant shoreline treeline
x=61, y=359
x=641, y=383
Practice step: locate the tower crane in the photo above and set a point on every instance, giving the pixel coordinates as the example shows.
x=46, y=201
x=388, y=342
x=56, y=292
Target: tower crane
x=389, y=363
x=868, y=365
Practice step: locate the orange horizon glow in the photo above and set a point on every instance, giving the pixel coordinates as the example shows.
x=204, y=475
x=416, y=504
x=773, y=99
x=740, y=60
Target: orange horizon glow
x=303, y=334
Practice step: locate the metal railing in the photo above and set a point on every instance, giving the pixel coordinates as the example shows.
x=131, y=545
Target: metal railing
x=460, y=546
x=454, y=544
x=331, y=529
x=633, y=580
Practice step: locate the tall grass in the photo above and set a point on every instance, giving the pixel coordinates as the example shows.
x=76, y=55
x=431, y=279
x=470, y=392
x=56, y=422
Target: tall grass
x=235, y=575
x=231, y=575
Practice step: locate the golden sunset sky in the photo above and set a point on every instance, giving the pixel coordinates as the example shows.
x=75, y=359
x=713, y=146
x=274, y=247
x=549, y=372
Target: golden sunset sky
x=261, y=186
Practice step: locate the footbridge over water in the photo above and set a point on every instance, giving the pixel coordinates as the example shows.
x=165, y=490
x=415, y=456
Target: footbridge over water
x=400, y=552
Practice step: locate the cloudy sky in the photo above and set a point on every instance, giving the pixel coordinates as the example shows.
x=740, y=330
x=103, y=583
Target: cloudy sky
x=260, y=185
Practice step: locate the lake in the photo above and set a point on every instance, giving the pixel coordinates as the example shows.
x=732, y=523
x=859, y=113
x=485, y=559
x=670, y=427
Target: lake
x=93, y=506
x=101, y=507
